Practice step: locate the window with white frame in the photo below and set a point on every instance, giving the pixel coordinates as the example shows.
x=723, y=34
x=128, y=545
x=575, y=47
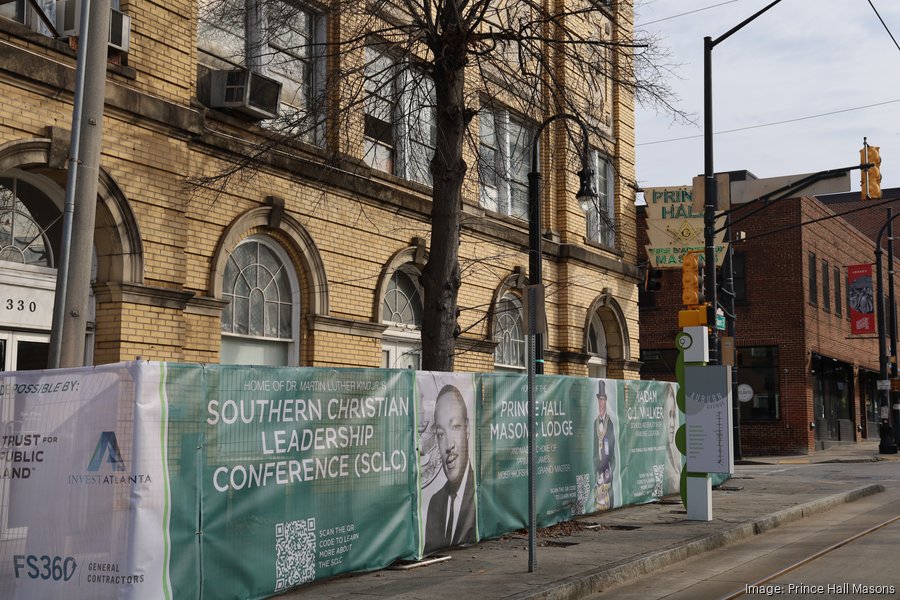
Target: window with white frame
x=25, y=12
x=259, y=323
x=509, y=333
x=285, y=43
x=596, y=347
x=504, y=161
x=401, y=310
x=599, y=212
x=399, y=123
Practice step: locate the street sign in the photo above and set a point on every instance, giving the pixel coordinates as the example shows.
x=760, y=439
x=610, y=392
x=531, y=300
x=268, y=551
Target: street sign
x=883, y=385
x=720, y=322
x=708, y=414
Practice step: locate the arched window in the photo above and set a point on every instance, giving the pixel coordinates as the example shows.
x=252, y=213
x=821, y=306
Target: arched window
x=509, y=333
x=30, y=225
x=401, y=309
x=27, y=216
x=596, y=347
x=259, y=325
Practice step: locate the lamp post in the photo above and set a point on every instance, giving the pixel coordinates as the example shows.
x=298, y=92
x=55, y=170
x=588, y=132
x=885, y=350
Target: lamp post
x=535, y=359
x=709, y=222
x=884, y=395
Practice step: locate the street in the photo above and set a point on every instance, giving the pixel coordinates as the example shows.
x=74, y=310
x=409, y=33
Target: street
x=846, y=552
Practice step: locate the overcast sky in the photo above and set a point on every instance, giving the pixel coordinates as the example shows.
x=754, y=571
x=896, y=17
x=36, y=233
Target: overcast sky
x=800, y=59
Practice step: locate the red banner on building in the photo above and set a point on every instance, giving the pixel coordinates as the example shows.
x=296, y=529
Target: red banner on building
x=862, y=299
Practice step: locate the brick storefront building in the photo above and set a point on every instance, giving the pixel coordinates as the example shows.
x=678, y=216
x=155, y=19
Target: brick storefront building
x=811, y=383
x=336, y=252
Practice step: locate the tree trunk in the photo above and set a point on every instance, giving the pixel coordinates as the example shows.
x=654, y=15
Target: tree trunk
x=441, y=275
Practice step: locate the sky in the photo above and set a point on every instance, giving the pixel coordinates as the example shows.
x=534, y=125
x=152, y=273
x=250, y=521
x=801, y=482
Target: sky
x=800, y=59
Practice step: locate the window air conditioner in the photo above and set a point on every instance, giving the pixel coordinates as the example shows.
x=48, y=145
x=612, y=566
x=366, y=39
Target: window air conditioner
x=68, y=22
x=245, y=91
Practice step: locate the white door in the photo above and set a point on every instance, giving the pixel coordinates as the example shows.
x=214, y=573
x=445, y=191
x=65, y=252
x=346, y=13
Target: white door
x=400, y=355
x=23, y=351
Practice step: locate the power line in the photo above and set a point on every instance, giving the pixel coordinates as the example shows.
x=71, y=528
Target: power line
x=834, y=112
x=885, y=24
x=687, y=13
x=882, y=202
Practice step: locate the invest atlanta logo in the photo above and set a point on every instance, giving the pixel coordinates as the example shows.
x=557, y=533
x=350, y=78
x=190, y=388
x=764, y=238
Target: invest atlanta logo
x=107, y=466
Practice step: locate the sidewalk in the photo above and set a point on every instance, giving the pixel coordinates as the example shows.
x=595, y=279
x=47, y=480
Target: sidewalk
x=590, y=553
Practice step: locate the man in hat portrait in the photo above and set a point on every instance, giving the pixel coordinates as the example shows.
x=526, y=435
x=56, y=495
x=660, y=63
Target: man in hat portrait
x=604, y=453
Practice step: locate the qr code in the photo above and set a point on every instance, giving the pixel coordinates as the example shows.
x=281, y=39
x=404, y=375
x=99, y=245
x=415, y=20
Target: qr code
x=658, y=478
x=583, y=491
x=295, y=553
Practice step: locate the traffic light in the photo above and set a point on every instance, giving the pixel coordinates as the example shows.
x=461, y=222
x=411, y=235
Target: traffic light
x=652, y=280
x=870, y=179
x=692, y=292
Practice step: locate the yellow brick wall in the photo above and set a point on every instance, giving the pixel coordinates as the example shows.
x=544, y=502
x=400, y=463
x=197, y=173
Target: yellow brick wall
x=181, y=225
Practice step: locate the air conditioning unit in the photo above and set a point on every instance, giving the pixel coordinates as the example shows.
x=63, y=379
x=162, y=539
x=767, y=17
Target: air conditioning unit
x=68, y=22
x=253, y=94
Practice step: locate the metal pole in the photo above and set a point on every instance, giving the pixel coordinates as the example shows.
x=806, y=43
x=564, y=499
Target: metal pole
x=94, y=39
x=892, y=317
x=883, y=395
x=532, y=484
x=709, y=206
x=535, y=268
x=535, y=353
x=62, y=272
x=731, y=329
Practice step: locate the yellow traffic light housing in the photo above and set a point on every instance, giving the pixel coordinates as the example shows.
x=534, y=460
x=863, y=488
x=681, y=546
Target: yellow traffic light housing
x=692, y=291
x=870, y=178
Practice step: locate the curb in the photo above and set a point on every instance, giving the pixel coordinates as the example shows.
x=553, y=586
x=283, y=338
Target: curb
x=595, y=580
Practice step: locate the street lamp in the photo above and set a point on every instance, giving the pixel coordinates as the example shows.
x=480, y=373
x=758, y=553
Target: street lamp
x=586, y=192
x=709, y=206
x=535, y=358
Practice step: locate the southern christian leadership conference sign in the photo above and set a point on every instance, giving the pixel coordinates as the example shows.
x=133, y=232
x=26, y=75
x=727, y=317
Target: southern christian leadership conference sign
x=707, y=403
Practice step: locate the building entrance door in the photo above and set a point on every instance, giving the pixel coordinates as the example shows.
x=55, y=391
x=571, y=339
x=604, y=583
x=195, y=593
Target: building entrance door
x=833, y=399
x=23, y=351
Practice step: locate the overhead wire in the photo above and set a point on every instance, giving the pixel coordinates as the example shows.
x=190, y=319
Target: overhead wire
x=884, y=24
x=690, y=12
x=760, y=125
x=784, y=122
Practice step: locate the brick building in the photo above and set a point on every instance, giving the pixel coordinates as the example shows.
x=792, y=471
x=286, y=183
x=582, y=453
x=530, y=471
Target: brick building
x=335, y=252
x=811, y=383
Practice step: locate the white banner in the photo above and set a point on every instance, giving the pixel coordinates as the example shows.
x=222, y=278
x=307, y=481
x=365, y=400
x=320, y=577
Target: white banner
x=82, y=484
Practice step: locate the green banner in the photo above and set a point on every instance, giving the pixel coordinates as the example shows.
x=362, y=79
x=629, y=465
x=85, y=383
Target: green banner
x=571, y=478
x=649, y=420
x=309, y=472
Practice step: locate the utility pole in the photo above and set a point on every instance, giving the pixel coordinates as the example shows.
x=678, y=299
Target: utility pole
x=70, y=311
x=710, y=205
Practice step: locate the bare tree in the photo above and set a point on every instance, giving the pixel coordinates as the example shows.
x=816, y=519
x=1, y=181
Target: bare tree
x=412, y=75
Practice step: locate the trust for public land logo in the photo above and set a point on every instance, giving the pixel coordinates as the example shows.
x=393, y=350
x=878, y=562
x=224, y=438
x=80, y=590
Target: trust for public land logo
x=107, y=466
